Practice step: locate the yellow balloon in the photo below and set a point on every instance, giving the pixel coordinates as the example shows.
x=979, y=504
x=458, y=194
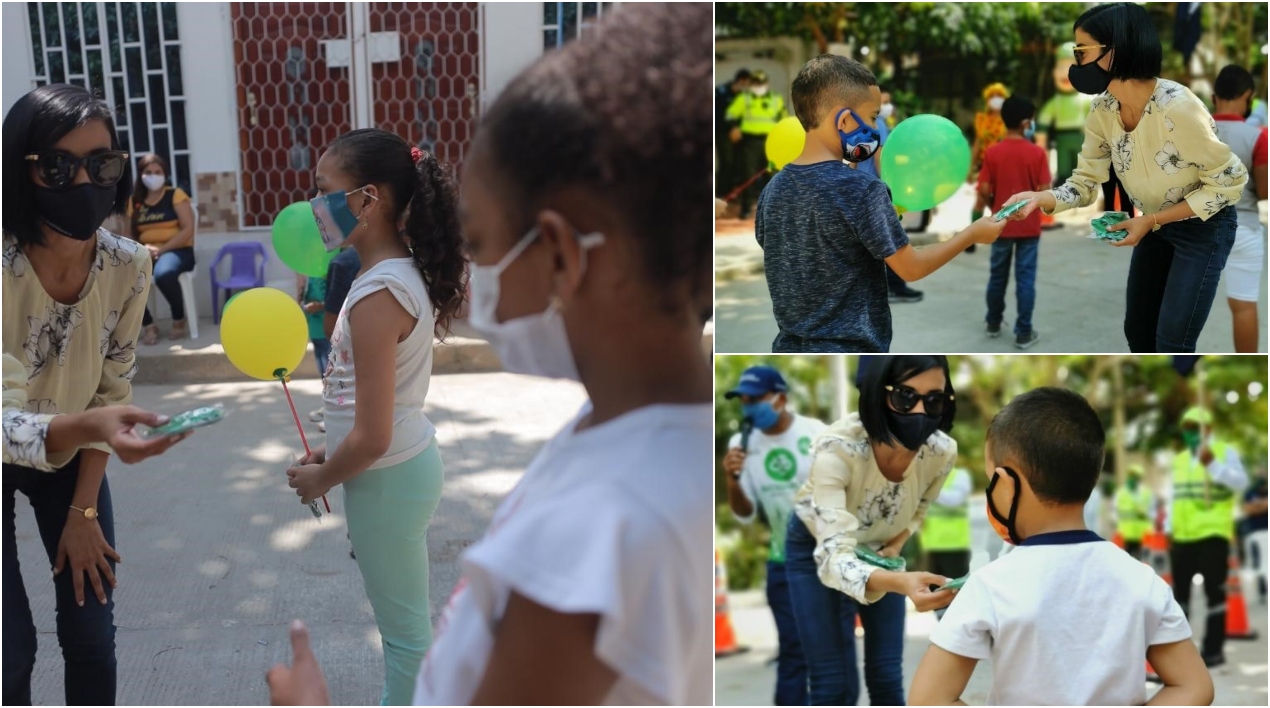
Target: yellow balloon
x=264, y=333
x=785, y=142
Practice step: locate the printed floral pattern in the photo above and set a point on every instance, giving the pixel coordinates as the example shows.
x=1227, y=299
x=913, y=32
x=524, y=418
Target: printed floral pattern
x=50, y=337
x=1229, y=176
x=1170, y=160
x=1122, y=155
x=24, y=435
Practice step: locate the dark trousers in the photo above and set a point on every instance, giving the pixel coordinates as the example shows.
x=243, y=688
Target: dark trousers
x=725, y=179
x=751, y=158
x=86, y=634
x=1207, y=557
x=826, y=627
x=791, y=666
x=1133, y=548
x=322, y=354
x=167, y=269
x=950, y=564
x=1173, y=277
x=894, y=283
x=1024, y=253
x=1109, y=190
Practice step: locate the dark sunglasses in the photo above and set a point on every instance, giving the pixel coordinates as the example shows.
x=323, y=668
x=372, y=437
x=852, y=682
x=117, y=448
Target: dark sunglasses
x=58, y=168
x=904, y=399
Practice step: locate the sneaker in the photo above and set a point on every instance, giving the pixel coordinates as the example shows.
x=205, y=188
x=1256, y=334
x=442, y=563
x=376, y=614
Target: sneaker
x=906, y=294
x=994, y=330
x=318, y=415
x=1025, y=341
x=1214, y=660
x=321, y=426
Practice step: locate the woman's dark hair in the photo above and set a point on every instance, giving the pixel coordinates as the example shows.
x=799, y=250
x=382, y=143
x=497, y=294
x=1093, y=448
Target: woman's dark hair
x=36, y=122
x=624, y=112
x=140, y=191
x=373, y=156
x=877, y=372
x=1127, y=28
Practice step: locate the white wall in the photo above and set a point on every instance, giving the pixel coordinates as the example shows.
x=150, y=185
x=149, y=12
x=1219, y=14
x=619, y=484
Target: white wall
x=211, y=104
x=512, y=41
x=16, y=57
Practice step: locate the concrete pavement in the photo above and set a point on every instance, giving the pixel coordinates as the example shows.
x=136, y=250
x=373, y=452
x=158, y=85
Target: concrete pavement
x=219, y=556
x=750, y=678
x=1079, y=303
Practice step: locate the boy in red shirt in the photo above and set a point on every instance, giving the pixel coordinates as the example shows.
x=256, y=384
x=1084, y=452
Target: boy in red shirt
x=1015, y=163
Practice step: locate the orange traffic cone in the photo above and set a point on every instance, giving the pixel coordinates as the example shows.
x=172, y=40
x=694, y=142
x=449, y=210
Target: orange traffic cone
x=1237, y=626
x=1118, y=540
x=724, y=637
x=1157, y=556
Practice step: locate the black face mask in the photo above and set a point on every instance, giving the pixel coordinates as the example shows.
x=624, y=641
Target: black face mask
x=1007, y=521
x=76, y=212
x=911, y=429
x=1090, y=78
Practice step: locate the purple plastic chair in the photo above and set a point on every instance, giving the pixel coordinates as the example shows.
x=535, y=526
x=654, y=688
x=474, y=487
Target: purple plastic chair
x=245, y=271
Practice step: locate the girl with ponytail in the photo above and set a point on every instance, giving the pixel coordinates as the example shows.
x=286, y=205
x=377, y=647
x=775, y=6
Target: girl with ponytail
x=396, y=205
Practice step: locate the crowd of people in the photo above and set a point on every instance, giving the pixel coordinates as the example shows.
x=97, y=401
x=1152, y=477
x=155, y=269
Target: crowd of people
x=1186, y=178
x=592, y=265
x=1055, y=587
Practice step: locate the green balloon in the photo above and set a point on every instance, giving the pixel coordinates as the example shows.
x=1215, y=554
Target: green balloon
x=925, y=161
x=298, y=243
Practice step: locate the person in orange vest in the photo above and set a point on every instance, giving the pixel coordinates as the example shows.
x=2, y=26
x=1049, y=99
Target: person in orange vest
x=1207, y=476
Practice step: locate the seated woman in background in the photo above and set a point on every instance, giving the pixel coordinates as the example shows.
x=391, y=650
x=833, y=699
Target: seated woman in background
x=161, y=218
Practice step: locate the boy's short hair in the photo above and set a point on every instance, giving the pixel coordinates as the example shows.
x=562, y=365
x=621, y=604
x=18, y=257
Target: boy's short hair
x=827, y=80
x=1015, y=110
x=1232, y=82
x=1056, y=438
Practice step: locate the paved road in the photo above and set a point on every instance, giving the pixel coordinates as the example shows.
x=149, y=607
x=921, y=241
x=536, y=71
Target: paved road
x=1079, y=303
x=749, y=678
x=219, y=556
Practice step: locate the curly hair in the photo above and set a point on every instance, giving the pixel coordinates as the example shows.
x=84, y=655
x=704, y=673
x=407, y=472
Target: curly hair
x=427, y=188
x=626, y=111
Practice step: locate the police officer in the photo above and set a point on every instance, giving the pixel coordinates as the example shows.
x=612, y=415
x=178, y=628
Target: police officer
x=724, y=94
x=1133, y=511
x=766, y=464
x=756, y=112
x=1207, y=473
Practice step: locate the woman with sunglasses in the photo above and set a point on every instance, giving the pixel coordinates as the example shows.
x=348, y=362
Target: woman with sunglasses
x=74, y=296
x=161, y=217
x=873, y=475
x=1162, y=144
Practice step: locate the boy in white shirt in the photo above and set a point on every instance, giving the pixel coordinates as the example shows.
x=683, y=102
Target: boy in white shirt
x=1067, y=618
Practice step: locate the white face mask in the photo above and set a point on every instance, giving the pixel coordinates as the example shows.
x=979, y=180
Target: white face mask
x=152, y=182
x=886, y=111
x=759, y=90
x=996, y=102
x=536, y=345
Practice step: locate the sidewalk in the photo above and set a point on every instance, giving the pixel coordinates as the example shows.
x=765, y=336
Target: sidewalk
x=219, y=556
x=1079, y=302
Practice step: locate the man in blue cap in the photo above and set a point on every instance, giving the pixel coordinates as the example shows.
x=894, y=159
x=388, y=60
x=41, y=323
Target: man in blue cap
x=766, y=464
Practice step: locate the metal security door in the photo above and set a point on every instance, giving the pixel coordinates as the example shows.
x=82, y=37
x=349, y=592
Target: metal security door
x=291, y=102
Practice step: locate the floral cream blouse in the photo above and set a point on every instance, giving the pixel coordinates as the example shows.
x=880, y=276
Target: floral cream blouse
x=846, y=501
x=68, y=358
x=1173, y=155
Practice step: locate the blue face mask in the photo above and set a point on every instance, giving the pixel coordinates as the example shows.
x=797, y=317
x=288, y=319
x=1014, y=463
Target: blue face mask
x=1029, y=131
x=860, y=144
x=762, y=414
x=335, y=220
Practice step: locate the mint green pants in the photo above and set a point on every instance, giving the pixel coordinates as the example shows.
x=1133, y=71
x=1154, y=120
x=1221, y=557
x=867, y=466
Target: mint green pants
x=388, y=512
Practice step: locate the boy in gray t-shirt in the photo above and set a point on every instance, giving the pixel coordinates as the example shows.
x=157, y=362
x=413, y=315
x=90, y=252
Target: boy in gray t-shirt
x=826, y=229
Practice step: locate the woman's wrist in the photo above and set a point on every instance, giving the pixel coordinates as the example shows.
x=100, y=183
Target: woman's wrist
x=881, y=581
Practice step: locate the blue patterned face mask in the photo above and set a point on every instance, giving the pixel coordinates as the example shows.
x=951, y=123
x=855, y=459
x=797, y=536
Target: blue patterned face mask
x=1030, y=130
x=335, y=220
x=860, y=144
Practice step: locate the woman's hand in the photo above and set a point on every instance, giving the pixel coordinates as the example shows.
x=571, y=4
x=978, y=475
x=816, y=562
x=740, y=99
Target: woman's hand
x=84, y=547
x=916, y=585
x=1134, y=229
x=894, y=546
x=116, y=425
x=309, y=481
x=1043, y=200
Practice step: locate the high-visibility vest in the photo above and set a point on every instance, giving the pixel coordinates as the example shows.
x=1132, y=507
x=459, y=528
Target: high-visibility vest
x=947, y=528
x=1132, y=509
x=1194, y=518
x=757, y=114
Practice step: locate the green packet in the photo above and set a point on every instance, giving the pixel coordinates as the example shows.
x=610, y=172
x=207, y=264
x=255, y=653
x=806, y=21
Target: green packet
x=187, y=421
x=1101, y=223
x=868, y=556
x=1007, y=211
x=956, y=584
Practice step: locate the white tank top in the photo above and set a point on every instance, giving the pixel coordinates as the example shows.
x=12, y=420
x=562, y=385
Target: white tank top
x=412, y=432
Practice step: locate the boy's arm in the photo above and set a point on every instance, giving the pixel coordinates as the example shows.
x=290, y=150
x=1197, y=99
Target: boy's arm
x=941, y=677
x=911, y=264
x=1186, y=680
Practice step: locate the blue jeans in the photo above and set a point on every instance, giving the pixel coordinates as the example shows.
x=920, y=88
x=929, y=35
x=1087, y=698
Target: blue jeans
x=321, y=352
x=1172, y=282
x=86, y=634
x=826, y=628
x=791, y=666
x=167, y=269
x=1024, y=251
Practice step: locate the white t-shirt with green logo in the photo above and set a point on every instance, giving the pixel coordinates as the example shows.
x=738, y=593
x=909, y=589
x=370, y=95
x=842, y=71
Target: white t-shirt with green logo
x=776, y=466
